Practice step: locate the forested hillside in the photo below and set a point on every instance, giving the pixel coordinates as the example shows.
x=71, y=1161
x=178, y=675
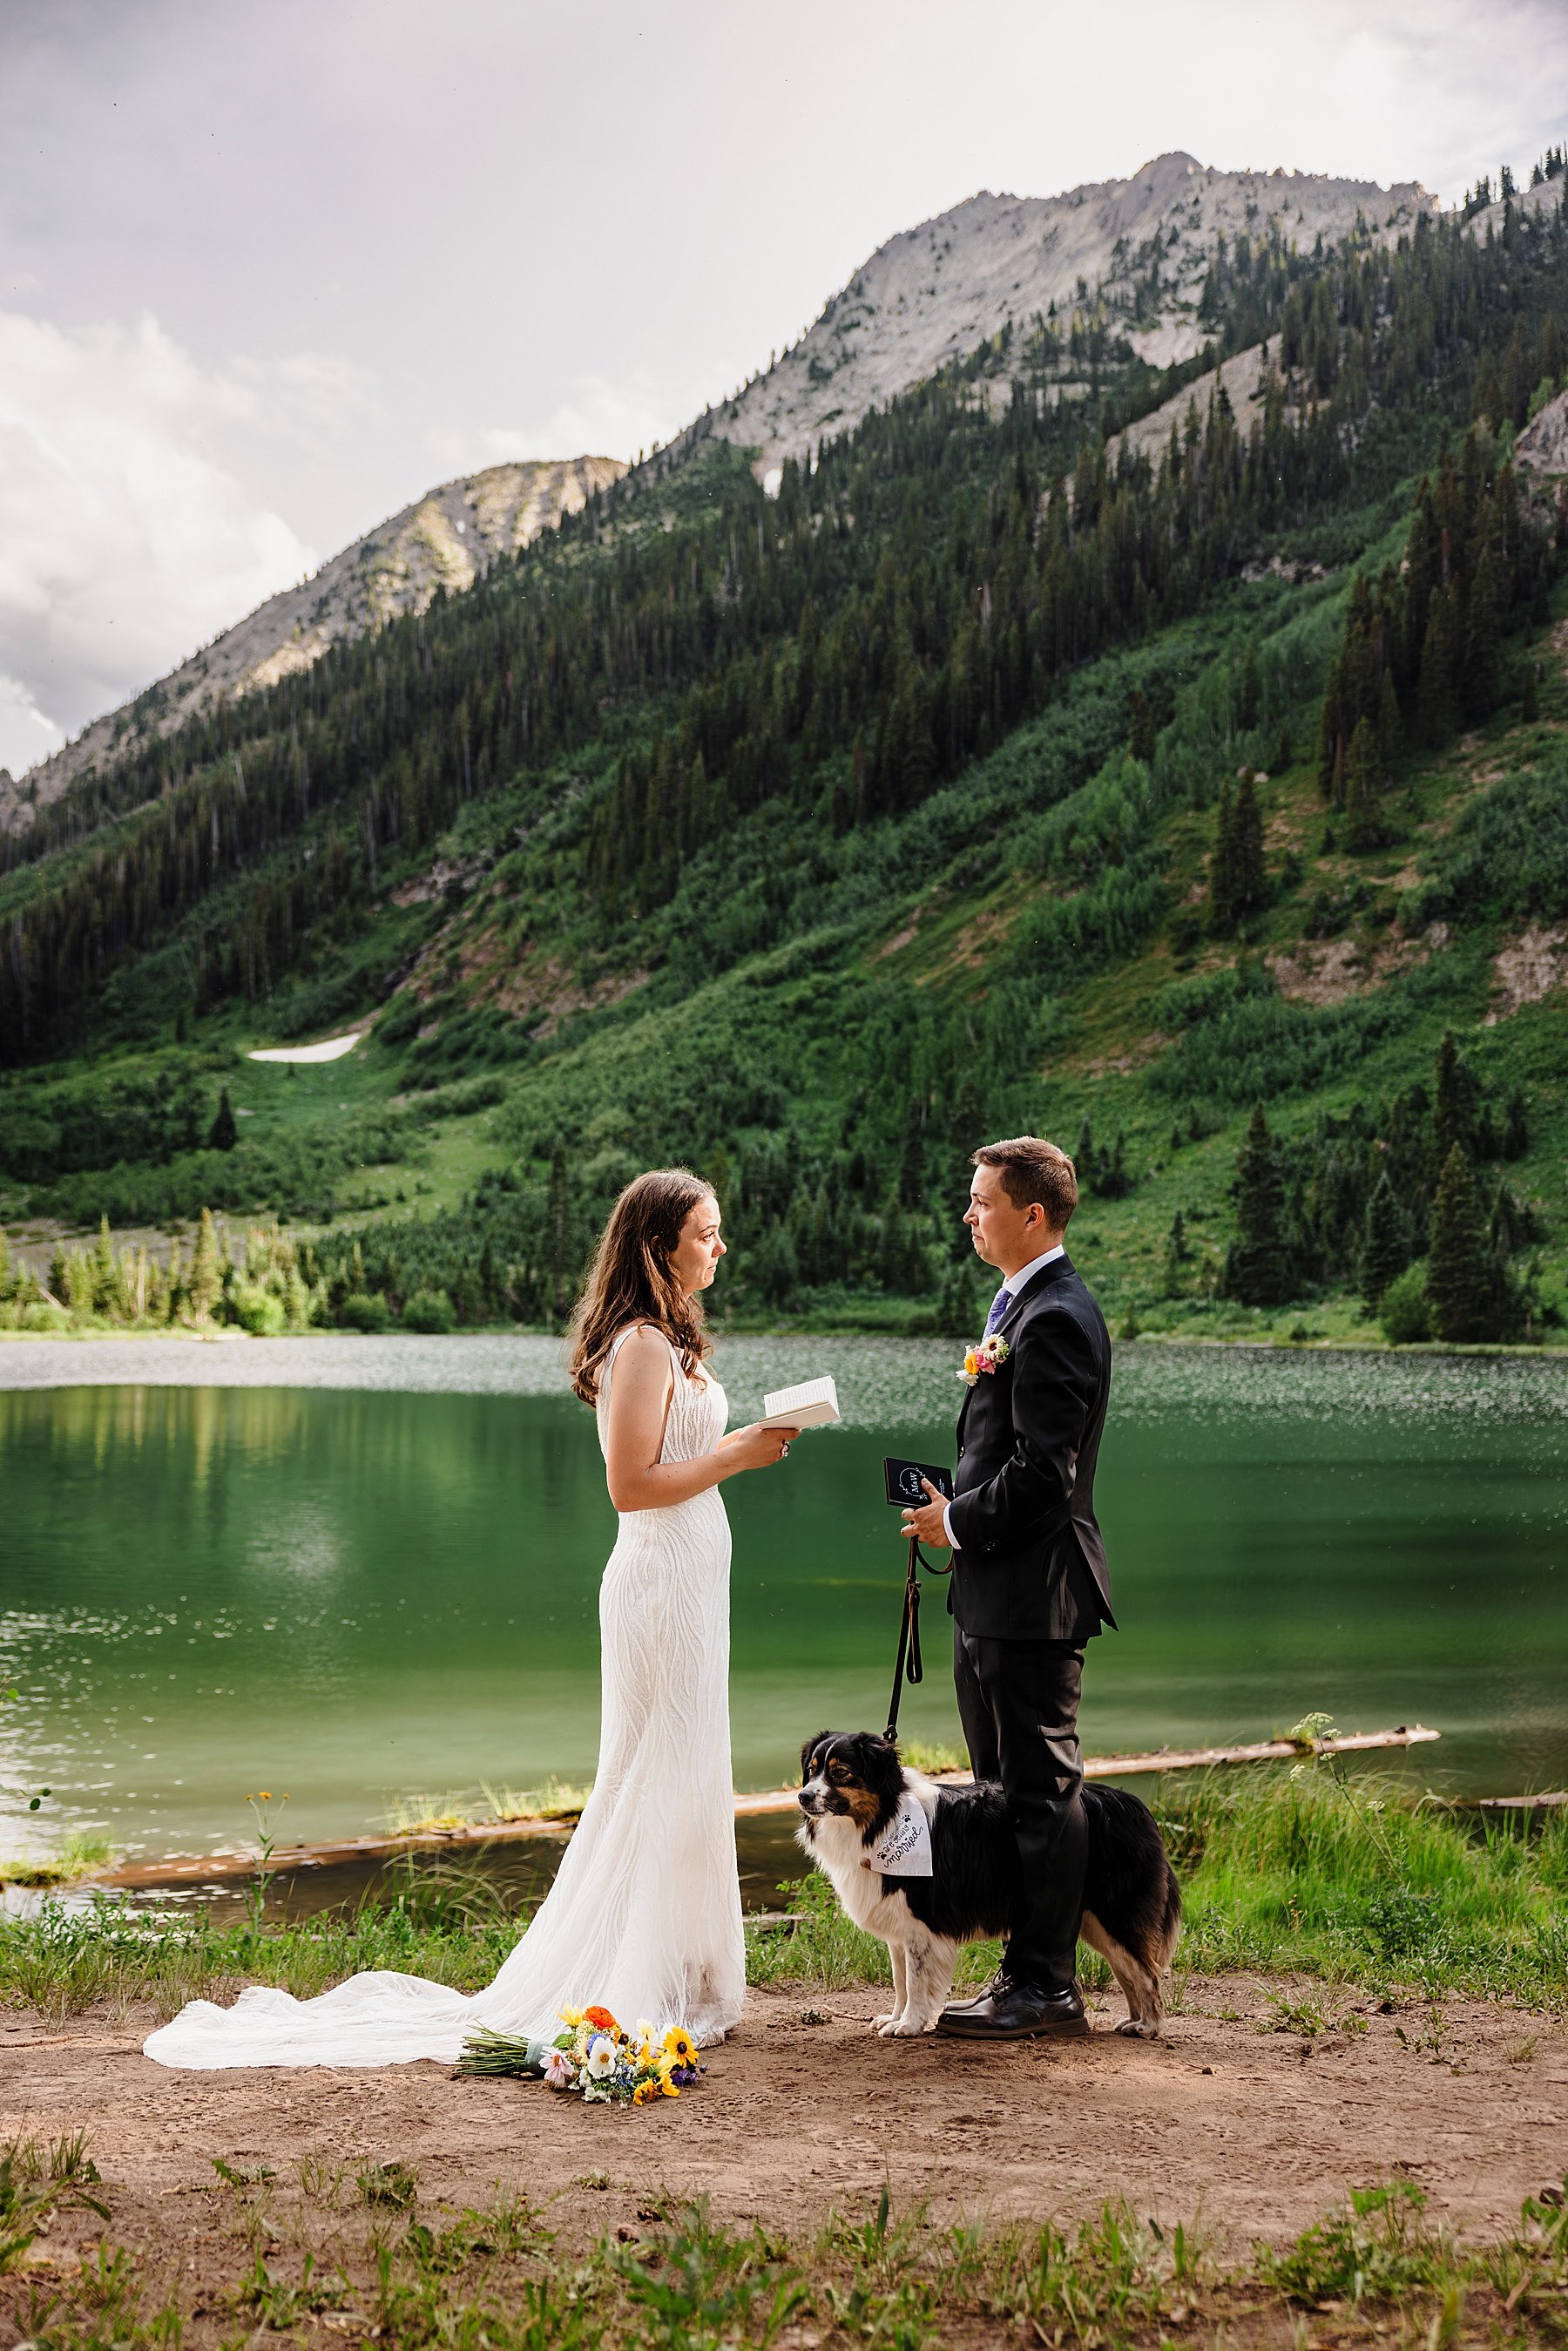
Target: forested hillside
x=1204, y=805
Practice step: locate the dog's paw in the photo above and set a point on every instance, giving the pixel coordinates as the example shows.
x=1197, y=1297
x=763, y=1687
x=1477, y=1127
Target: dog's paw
x=908, y=2028
x=1133, y=2028
x=880, y=2023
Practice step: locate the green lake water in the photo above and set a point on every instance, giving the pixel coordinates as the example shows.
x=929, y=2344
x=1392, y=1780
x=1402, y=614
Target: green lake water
x=355, y=1570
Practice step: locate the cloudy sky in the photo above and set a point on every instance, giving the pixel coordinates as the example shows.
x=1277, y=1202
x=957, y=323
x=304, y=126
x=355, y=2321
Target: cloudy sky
x=270, y=269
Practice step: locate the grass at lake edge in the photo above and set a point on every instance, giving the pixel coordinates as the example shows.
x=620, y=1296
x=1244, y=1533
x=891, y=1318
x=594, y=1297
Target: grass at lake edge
x=1314, y=1873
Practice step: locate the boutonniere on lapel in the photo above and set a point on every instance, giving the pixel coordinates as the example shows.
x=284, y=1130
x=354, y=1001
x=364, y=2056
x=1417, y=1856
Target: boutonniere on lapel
x=985, y=1357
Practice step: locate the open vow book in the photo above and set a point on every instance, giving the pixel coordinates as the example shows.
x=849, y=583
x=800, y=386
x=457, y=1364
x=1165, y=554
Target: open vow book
x=809, y=1405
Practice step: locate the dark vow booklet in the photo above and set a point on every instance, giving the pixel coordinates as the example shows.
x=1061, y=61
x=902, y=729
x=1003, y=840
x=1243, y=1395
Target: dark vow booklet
x=904, y=1487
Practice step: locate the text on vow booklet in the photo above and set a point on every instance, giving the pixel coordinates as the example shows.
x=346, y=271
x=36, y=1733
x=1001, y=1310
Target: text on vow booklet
x=809, y=1405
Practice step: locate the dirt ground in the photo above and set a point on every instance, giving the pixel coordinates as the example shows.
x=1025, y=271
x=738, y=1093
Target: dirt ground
x=1254, y=2130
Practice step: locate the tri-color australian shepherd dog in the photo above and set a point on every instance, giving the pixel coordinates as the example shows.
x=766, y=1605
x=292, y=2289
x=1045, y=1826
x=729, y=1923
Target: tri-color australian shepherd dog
x=851, y=1786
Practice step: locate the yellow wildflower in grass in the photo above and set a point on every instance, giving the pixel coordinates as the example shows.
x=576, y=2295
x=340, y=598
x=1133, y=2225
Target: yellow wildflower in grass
x=679, y=2047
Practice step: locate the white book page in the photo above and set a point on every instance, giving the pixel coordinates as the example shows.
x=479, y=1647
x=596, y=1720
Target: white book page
x=811, y=1405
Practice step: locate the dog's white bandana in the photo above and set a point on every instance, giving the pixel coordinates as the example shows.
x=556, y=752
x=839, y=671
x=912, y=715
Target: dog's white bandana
x=904, y=1847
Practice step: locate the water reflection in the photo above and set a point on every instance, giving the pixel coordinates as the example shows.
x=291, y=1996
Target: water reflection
x=351, y=1590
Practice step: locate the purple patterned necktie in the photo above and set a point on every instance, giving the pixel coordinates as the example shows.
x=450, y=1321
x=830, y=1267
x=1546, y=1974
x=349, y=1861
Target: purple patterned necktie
x=999, y=1306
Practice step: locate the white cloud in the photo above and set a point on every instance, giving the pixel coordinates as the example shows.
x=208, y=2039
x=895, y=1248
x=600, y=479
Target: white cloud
x=25, y=734
x=600, y=417
x=126, y=540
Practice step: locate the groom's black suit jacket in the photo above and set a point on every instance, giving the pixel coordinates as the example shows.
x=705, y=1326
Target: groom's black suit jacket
x=1029, y=1564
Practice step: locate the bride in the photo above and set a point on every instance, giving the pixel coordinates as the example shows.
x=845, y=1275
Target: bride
x=645, y=1912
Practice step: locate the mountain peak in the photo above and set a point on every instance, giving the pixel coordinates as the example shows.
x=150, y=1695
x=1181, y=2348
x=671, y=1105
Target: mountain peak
x=1138, y=248
x=443, y=540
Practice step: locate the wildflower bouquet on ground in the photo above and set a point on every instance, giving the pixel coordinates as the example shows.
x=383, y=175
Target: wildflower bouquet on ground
x=595, y=2057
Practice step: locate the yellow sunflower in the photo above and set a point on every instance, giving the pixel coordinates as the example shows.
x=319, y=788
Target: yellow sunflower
x=679, y=2047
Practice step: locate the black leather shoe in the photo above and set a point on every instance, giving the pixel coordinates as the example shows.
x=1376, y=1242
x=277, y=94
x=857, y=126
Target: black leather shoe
x=1018, y=2012
x=999, y=1985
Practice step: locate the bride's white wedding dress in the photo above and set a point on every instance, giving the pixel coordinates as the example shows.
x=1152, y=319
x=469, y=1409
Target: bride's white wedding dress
x=645, y=1912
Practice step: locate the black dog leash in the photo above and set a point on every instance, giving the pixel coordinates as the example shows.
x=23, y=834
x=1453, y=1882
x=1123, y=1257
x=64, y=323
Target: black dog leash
x=910, y=1667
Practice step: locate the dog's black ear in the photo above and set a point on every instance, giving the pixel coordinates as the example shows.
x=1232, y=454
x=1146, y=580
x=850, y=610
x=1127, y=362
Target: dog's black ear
x=809, y=1749
x=878, y=1758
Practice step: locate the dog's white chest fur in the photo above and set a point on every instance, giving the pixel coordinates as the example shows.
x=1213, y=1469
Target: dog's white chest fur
x=922, y=1962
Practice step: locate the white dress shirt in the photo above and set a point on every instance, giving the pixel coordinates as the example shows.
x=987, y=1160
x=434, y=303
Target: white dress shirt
x=1012, y=1284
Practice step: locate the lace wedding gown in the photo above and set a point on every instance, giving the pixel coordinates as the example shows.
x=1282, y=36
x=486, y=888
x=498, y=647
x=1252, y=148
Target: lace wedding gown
x=645, y=1912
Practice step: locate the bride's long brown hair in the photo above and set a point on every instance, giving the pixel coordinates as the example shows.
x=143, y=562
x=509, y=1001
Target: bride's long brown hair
x=629, y=1280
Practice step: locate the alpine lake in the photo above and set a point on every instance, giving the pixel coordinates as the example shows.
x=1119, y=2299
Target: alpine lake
x=361, y=1573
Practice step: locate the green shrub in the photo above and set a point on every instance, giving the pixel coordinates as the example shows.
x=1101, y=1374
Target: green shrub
x=35, y=1315
x=429, y=1310
x=1404, y=1312
x=262, y=1312
x=360, y=1312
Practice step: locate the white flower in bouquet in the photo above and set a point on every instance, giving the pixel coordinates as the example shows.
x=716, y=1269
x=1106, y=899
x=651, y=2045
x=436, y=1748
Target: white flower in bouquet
x=601, y=2059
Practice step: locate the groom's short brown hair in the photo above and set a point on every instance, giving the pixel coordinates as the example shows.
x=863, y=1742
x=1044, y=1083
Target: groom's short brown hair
x=1032, y=1169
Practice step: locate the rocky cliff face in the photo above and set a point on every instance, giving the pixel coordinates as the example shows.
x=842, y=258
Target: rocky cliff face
x=1139, y=248
x=443, y=541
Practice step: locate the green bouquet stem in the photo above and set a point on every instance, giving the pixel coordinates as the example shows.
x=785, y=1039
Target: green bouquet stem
x=501, y=2054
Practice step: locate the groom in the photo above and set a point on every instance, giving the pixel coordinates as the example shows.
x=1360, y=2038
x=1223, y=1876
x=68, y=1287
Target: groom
x=1030, y=1585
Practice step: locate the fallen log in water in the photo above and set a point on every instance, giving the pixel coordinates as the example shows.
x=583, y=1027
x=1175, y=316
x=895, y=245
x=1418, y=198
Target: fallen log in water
x=1546, y=1803
x=224, y=1867
x=1164, y=1759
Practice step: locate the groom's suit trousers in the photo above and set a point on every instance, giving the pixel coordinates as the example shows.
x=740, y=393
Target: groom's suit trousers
x=1018, y=1703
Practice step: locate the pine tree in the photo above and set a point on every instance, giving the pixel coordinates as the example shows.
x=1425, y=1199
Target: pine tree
x=202, y=1283
x=557, y=1227
x=59, y=1282
x=1385, y=1249
x=1329, y=742
x=1250, y=878
x=1436, y=702
x=1176, y=1252
x=1083, y=1160
x=1224, y=879
x=1362, y=828
x=1257, y=1267
x=1516, y=1127
x=1488, y=405
x=1248, y=702
x=1454, y=1105
x=104, y=1272
x=1390, y=732
x=1529, y=700
x=225, y=1131
x=1460, y=1284
x=1141, y=738
x=1483, y=636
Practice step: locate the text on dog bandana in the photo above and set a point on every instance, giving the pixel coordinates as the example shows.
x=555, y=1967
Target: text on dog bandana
x=904, y=1847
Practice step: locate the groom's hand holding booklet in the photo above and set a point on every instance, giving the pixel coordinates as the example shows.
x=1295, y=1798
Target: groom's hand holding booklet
x=812, y=1404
